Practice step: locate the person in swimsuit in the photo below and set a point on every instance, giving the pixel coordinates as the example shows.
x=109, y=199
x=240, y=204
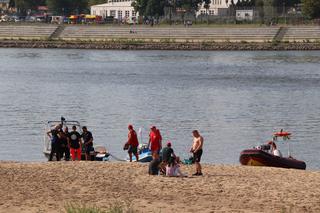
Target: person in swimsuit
x=196, y=149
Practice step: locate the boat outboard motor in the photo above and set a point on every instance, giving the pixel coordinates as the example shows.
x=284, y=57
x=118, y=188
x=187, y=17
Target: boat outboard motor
x=62, y=120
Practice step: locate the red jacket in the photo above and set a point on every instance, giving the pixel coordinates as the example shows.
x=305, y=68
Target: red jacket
x=132, y=138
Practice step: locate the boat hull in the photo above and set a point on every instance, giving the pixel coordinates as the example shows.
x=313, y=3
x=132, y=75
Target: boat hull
x=256, y=157
x=143, y=157
x=93, y=156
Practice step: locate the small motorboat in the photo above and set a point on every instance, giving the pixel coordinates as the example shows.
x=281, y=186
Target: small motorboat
x=262, y=156
x=145, y=154
x=98, y=154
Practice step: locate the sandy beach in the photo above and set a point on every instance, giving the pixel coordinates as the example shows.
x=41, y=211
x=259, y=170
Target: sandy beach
x=49, y=187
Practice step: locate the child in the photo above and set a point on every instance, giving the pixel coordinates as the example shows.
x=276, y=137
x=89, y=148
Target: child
x=173, y=169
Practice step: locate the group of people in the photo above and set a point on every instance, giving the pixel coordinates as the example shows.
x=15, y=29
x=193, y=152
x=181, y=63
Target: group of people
x=64, y=143
x=168, y=163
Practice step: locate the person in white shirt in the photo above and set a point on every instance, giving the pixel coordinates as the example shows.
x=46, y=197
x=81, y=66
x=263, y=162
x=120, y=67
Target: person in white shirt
x=274, y=150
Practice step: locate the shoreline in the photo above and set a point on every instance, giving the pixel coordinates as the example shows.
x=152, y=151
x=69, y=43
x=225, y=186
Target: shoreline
x=49, y=186
x=145, y=45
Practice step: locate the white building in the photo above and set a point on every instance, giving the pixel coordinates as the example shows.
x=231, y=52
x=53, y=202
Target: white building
x=244, y=15
x=119, y=9
x=217, y=8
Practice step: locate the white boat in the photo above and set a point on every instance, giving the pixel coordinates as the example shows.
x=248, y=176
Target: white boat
x=145, y=154
x=99, y=154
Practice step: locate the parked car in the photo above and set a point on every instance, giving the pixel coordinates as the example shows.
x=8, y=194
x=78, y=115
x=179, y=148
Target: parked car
x=40, y=19
x=14, y=19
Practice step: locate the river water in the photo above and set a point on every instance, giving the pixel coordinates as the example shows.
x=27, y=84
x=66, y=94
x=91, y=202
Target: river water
x=235, y=99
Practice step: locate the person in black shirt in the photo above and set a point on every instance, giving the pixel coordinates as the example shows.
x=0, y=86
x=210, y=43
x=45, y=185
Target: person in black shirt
x=75, y=143
x=55, y=142
x=64, y=144
x=87, y=141
x=168, y=157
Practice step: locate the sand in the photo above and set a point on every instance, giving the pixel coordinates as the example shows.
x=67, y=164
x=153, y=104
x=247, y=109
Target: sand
x=50, y=186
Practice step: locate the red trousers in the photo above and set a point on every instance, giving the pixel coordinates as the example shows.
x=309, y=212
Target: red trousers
x=75, y=153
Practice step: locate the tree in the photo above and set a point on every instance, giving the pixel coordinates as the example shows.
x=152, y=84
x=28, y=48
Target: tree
x=245, y=3
x=140, y=6
x=24, y=5
x=67, y=7
x=259, y=5
x=155, y=8
x=189, y=5
x=311, y=8
x=95, y=2
x=206, y=5
x=12, y=3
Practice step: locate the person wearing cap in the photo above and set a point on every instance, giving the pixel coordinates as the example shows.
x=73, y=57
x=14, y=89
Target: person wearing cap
x=132, y=143
x=154, y=144
x=87, y=141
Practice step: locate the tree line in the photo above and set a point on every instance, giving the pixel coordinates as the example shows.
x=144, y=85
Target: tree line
x=156, y=8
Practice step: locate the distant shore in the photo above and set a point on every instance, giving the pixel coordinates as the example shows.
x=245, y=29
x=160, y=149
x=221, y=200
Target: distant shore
x=144, y=45
x=50, y=186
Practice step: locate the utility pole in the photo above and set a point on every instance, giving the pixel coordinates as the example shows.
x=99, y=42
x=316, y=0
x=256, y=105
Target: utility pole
x=284, y=12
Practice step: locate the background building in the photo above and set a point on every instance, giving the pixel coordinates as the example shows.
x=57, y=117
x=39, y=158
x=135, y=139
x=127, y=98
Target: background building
x=119, y=9
x=244, y=15
x=217, y=8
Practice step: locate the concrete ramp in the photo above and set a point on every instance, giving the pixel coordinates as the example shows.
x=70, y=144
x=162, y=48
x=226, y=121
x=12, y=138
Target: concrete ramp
x=302, y=34
x=179, y=34
x=26, y=31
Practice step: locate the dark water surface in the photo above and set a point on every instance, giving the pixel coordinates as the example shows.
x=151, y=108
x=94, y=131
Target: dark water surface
x=236, y=99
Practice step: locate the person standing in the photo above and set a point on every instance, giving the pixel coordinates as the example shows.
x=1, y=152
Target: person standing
x=64, y=144
x=154, y=142
x=53, y=134
x=196, y=149
x=87, y=141
x=132, y=143
x=75, y=144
